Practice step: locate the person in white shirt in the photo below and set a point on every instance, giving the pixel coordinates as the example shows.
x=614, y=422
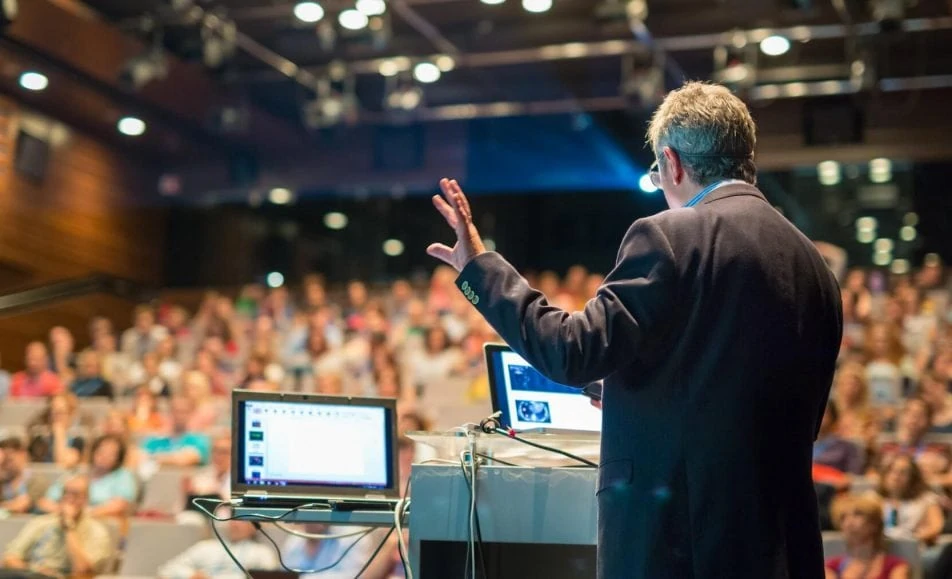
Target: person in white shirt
x=207, y=559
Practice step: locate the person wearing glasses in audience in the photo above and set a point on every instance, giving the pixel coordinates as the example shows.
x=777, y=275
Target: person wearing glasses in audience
x=716, y=335
x=70, y=542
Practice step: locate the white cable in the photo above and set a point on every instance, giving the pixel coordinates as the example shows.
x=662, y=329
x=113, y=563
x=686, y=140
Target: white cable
x=398, y=514
x=438, y=461
x=472, y=507
x=304, y=535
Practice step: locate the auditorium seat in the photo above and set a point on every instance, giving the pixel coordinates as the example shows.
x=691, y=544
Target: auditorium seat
x=162, y=493
x=149, y=544
x=11, y=526
x=42, y=475
x=95, y=407
x=19, y=412
x=833, y=545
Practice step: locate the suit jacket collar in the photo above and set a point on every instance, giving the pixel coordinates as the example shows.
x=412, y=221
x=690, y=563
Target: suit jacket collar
x=733, y=190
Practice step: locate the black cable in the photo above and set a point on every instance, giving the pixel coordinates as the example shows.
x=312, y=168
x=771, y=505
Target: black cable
x=225, y=545
x=494, y=459
x=403, y=561
x=374, y=554
x=308, y=571
x=514, y=436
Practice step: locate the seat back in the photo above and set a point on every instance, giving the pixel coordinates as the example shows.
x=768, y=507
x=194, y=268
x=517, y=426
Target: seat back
x=151, y=544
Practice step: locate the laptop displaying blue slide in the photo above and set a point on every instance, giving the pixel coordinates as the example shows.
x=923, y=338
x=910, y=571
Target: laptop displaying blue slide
x=530, y=401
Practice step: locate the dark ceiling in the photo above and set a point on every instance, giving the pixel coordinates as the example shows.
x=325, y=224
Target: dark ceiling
x=505, y=54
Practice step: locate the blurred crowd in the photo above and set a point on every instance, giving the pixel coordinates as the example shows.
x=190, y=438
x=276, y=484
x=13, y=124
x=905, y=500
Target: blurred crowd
x=166, y=384
x=882, y=460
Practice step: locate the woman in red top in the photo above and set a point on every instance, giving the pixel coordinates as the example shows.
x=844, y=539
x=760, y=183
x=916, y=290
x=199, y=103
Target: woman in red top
x=860, y=518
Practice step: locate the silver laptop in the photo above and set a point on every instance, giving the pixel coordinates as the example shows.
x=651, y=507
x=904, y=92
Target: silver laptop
x=289, y=449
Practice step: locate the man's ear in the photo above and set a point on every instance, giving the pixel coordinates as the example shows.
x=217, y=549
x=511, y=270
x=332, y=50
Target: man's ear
x=673, y=164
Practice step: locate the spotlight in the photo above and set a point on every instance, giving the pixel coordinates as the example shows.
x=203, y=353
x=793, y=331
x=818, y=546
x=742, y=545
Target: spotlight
x=275, y=279
x=280, y=196
x=308, y=12
x=353, y=20
x=536, y=6
x=327, y=111
x=883, y=244
x=335, y=220
x=865, y=235
x=866, y=224
x=131, y=126
x=426, y=72
x=35, y=81
x=882, y=258
x=774, y=45
x=829, y=173
x=907, y=233
x=911, y=219
x=646, y=185
x=404, y=99
x=492, y=1
x=393, y=247
x=880, y=170
x=371, y=7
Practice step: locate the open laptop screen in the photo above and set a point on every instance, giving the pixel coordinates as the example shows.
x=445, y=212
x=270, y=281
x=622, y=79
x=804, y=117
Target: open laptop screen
x=294, y=441
x=529, y=400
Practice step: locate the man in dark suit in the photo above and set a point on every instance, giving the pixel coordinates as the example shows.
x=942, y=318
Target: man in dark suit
x=716, y=335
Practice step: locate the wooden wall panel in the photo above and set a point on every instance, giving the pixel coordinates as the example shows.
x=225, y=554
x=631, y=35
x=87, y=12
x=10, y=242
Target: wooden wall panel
x=95, y=211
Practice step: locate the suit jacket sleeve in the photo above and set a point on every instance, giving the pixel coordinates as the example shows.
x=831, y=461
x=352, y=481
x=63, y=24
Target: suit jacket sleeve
x=575, y=348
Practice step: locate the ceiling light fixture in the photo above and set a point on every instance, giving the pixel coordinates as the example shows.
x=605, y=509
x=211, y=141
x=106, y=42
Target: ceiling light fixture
x=536, y=6
x=426, y=72
x=131, y=126
x=775, y=45
x=371, y=7
x=309, y=12
x=31, y=80
x=353, y=20
x=280, y=196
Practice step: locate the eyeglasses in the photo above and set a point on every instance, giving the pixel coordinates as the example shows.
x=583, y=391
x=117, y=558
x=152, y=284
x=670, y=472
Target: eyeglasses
x=654, y=174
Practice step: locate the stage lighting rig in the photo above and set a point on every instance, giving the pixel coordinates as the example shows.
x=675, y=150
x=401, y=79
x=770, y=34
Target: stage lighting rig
x=642, y=85
x=888, y=13
x=621, y=10
x=331, y=106
x=144, y=68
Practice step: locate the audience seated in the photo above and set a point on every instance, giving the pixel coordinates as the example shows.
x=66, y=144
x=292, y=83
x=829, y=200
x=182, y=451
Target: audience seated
x=910, y=508
x=69, y=542
x=144, y=335
x=832, y=450
x=89, y=380
x=59, y=433
x=914, y=422
x=860, y=518
x=14, y=493
x=112, y=488
x=207, y=560
x=214, y=479
x=145, y=417
x=180, y=447
x=36, y=380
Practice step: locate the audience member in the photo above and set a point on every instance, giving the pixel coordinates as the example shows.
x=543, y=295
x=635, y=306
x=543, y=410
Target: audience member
x=112, y=488
x=14, y=476
x=934, y=391
x=205, y=409
x=89, y=380
x=214, y=479
x=911, y=510
x=207, y=560
x=914, y=422
x=70, y=542
x=36, y=380
x=832, y=450
x=145, y=372
x=145, y=417
x=59, y=433
x=181, y=447
x=860, y=519
x=144, y=335
x=63, y=356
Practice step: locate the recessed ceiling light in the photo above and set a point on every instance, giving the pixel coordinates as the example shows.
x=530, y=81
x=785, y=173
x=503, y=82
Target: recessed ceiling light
x=426, y=72
x=536, y=6
x=492, y=1
x=308, y=12
x=393, y=247
x=280, y=196
x=371, y=7
x=775, y=45
x=335, y=220
x=388, y=67
x=32, y=80
x=353, y=19
x=275, y=279
x=131, y=126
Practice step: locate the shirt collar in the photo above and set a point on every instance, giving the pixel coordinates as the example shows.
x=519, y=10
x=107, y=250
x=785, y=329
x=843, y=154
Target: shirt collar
x=707, y=190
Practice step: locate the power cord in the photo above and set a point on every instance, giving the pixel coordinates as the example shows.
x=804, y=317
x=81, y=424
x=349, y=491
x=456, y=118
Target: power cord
x=337, y=561
x=479, y=532
x=491, y=425
x=375, y=553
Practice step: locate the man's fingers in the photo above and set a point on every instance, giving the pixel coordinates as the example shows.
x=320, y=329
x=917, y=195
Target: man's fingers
x=448, y=212
x=441, y=252
x=462, y=203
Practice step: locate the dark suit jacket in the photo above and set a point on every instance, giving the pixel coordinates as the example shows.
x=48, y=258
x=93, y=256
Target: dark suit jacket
x=717, y=334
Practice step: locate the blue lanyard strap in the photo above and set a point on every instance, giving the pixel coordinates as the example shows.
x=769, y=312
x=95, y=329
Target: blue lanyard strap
x=707, y=190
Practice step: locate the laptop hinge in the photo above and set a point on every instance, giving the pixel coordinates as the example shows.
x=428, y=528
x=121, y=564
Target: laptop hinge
x=256, y=495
